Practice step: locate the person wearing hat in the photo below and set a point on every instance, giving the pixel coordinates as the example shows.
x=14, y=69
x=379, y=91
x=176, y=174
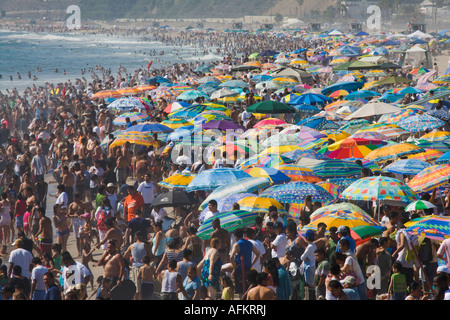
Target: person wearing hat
x=112, y=195
x=344, y=233
x=20, y=257
x=349, y=283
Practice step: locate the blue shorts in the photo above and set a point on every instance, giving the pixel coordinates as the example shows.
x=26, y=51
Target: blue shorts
x=19, y=221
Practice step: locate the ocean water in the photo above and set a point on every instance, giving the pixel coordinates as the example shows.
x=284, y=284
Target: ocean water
x=23, y=52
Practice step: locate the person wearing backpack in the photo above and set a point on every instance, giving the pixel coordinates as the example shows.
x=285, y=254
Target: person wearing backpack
x=428, y=257
x=102, y=214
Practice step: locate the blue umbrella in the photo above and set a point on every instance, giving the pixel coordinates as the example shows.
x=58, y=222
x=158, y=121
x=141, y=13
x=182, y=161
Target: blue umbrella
x=343, y=183
x=410, y=90
x=421, y=122
x=226, y=203
x=192, y=95
x=310, y=98
x=443, y=159
x=213, y=178
x=149, y=127
x=361, y=94
x=440, y=114
x=345, y=85
x=182, y=132
x=296, y=191
x=312, y=154
x=306, y=109
x=407, y=166
x=318, y=123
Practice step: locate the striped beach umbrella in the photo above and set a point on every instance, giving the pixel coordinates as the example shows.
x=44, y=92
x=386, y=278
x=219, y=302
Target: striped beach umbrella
x=230, y=221
x=335, y=168
x=433, y=227
x=104, y=94
x=428, y=155
x=211, y=179
x=126, y=104
x=297, y=173
x=430, y=178
x=407, y=166
x=179, y=180
x=379, y=188
x=175, y=123
x=419, y=205
x=443, y=159
x=133, y=116
x=395, y=151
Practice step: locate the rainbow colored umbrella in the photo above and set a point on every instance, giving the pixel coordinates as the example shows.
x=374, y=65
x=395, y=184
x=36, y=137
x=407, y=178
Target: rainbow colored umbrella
x=298, y=173
x=434, y=227
x=230, y=221
x=419, y=71
x=379, y=188
x=274, y=175
x=351, y=148
x=260, y=204
x=427, y=155
x=133, y=116
x=430, y=178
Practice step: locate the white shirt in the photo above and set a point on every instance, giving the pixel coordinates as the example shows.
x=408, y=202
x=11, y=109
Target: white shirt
x=262, y=250
x=158, y=216
x=147, y=190
x=280, y=242
x=38, y=274
x=209, y=214
x=21, y=257
x=62, y=200
x=73, y=275
x=245, y=117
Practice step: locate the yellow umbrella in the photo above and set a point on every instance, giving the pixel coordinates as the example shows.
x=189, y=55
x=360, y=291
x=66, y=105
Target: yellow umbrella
x=336, y=135
x=280, y=149
x=140, y=138
x=179, y=180
x=259, y=204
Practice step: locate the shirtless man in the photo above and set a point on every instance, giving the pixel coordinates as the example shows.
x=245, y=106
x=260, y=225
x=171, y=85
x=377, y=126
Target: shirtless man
x=225, y=240
x=68, y=181
x=121, y=165
x=76, y=209
x=261, y=292
x=61, y=223
x=45, y=232
x=113, y=233
x=113, y=264
x=29, y=196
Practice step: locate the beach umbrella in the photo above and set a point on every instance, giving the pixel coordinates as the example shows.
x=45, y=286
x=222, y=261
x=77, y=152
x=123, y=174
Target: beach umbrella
x=351, y=148
x=407, y=166
x=312, y=144
x=222, y=125
x=395, y=151
x=444, y=79
x=419, y=71
x=439, y=114
x=433, y=227
x=234, y=84
x=353, y=126
x=281, y=140
x=175, y=123
x=390, y=130
x=260, y=204
x=245, y=185
x=226, y=203
x=149, y=128
x=430, y=178
x=270, y=121
x=133, y=116
x=336, y=168
x=297, y=173
x=296, y=191
x=319, y=123
x=306, y=110
x=178, y=180
x=174, y=198
x=229, y=221
x=297, y=154
x=192, y=95
x=379, y=189
x=421, y=122
x=427, y=155
x=441, y=145
x=126, y=104
x=138, y=138
x=373, y=108
x=275, y=176
x=336, y=135
x=128, y=91
x=396, y=117
x=222, y=93
x=271, y=107
x=310, y=99
x=176, y=105
x=346, y=86
x=410, y=90
x=211, y=179
x=333, y=189
x=419, y=205
x=369, y=135
x=443, y=159
x=394, y=80
x=364, y=233
x=104, y=94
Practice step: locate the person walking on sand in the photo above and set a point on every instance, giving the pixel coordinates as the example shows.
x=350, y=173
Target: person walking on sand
x=113, y=264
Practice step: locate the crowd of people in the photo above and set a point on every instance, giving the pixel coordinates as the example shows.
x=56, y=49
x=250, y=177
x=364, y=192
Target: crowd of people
x=104, y=197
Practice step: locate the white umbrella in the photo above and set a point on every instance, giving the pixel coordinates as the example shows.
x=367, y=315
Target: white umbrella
x=373, y=108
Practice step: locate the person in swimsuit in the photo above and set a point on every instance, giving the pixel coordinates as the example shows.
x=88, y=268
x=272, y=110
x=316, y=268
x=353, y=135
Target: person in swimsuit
x=210, y=268
x=62, y=227
x=5, y=219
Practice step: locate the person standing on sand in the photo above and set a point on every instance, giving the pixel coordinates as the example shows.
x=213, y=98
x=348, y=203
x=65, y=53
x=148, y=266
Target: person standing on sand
x=45, y=232
x=75, y=211
x=113, y=264
x=261, y=291
x=113, y=233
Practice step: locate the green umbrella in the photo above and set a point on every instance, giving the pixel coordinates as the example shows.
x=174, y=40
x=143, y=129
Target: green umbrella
x=393, y=80
x=229, y=221
x=272, y=107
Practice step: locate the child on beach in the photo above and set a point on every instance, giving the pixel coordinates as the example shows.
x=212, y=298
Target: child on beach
x=398, y=287
x=27, y=221
x=228, y=288
x=146, y=276
x=86, y=258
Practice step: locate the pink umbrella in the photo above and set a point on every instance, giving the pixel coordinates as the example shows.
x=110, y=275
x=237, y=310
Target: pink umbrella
x=269, y=121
